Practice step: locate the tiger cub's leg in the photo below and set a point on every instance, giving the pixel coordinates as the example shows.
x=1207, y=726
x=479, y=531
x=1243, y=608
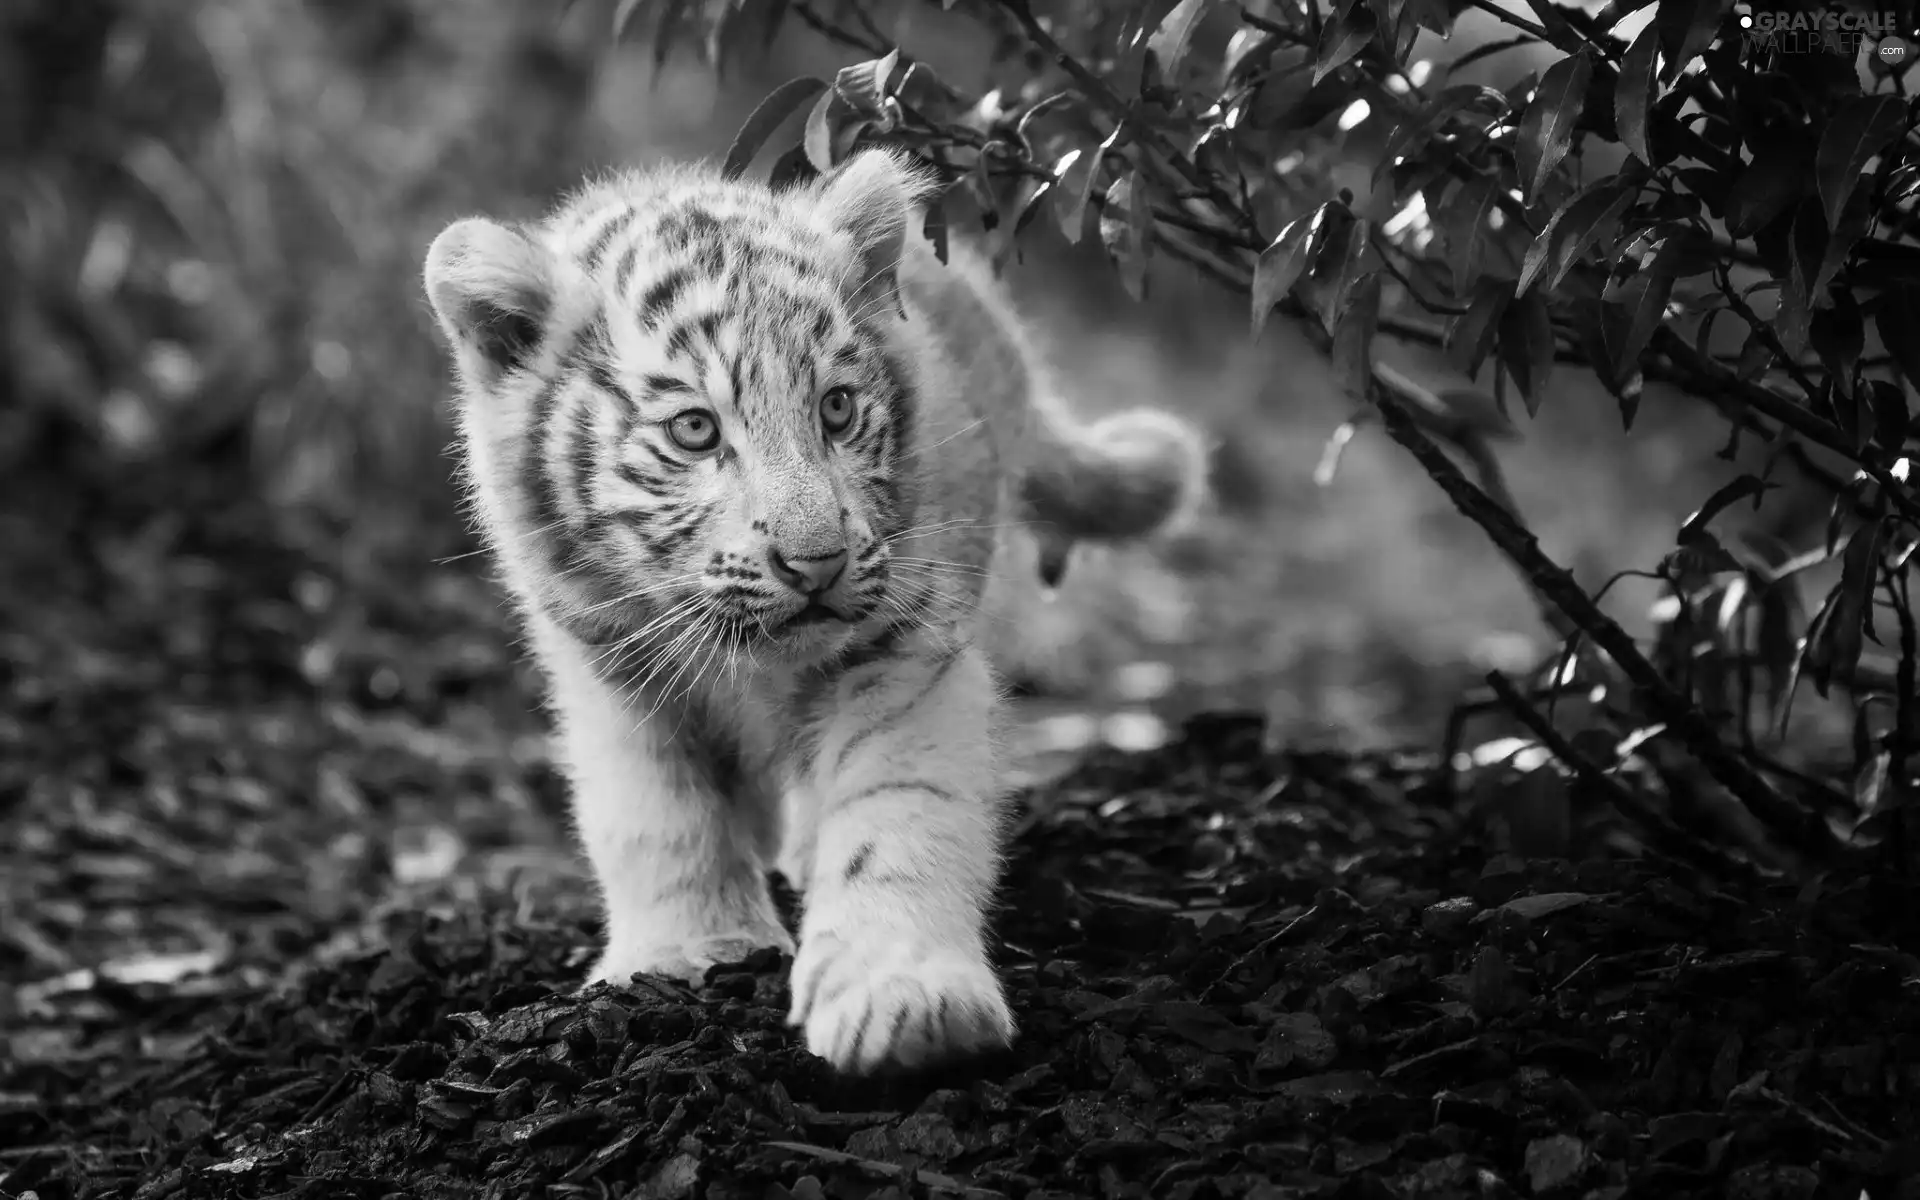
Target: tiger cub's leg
x=677, y=839
x=898, y=866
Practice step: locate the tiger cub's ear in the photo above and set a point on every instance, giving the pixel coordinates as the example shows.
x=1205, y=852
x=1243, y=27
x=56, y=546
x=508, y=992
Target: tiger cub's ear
x=491, y=288
x=872, y=197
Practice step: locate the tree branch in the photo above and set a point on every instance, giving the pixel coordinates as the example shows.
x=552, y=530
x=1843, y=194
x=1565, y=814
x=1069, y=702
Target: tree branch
x=1552, y=580
x=1617, y=793
x=1768, y=403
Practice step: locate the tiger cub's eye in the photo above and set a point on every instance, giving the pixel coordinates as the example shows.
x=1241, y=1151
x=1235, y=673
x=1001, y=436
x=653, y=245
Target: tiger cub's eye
x=694, y=430
x=836, y=409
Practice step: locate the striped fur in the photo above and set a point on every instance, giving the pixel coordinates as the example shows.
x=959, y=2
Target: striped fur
x=683, y=399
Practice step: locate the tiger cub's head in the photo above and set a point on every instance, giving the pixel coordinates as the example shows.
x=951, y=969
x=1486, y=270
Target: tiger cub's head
x=678, y=402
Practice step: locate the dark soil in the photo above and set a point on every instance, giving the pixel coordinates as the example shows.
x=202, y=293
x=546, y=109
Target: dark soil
x=285, y=911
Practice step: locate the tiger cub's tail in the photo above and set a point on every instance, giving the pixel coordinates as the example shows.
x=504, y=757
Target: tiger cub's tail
x=1124, y=476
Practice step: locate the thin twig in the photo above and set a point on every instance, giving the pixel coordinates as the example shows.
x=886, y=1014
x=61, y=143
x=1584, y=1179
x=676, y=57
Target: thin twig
x=834, y=33
x=1514, y=19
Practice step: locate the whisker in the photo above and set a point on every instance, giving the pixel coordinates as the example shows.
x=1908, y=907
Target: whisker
x=651, y=588
x=908, y=560
x=969, y=427
x=491, y=541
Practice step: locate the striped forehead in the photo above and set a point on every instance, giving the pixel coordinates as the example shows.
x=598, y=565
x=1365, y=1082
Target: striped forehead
x=720, y=291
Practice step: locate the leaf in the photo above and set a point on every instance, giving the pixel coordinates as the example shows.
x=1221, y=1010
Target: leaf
x=1073, y=217
x=1898, y=322
x=863, y=86
x=1860, y=130
x=1560, y=32
x=1546, y=132
x=1343, y=37
x=1124, y=225
x=1633, y=93
x=1170, y=41
x=1629, y=317
x=790, y=169
x=1411, y=135
x=622, y=16
x=1029, y=208
x=1470, y=337
x=1838, y=336
x=1724, y=497
x=1687, y=27
x=672, y=13
x=1701, y=553
x=1574, y=230
x=1431, y=14
x=1280, y=265
x=1353, y=338
x=1779, y=609
x=1622, y=380
x=1281, y=100
x=1771, y=184
x=766, y=117
x=1841, y=239
x=1808, y=250
x=1526, y=348
x=1887, y=402
x=1405, y=33
x=1247, y=51
x=1680, y=251
x=1386, y=19
x=1340, y=262
x=921, y=90
x=1842, y=635
x=818, y=138
x=1870, y=783
x=1468, y=227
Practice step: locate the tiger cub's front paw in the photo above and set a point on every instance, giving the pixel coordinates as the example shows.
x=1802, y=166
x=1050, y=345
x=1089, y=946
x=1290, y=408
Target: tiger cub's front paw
x=907, y=1002
x=687, y=960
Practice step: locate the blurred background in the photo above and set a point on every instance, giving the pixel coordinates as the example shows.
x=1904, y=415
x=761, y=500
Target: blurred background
x=215, y=212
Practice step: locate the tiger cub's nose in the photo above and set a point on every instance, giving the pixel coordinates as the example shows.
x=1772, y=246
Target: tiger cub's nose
x=809, y=576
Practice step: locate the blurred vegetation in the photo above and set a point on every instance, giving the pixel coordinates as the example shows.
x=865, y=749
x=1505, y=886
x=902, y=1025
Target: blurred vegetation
x=213, y=215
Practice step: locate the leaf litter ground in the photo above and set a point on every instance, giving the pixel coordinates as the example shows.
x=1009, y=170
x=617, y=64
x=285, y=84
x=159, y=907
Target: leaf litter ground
x=287, y=910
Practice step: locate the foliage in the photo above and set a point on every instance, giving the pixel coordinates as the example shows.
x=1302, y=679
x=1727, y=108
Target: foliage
x=213, y=215
x=1669, y=199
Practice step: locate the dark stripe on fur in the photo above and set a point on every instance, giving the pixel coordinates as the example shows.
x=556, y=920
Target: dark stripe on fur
x=660, y=297
x=597, y=248
x=543, y=499
x=623, y=274
x=899, y=713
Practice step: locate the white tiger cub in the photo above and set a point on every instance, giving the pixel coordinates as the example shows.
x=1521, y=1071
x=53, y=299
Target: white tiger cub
x=745, y=458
